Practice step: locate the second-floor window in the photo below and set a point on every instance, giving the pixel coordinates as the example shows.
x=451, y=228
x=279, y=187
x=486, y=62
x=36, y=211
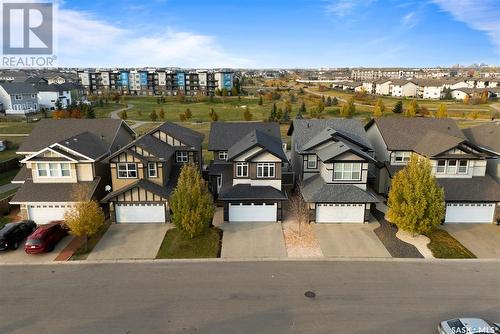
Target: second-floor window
x=152, y=171
x=402, y=157
x=312, y=161
x=127, y=171
x=452, y=166
x=18, y=97
x=181, y=156
x=222, y=155
x=266, y=170
x=241, y=169
x=347, y=171
x=53, y=169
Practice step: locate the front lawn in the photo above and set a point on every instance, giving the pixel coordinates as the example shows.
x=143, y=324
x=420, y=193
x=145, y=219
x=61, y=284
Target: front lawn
x=6, y=177
x=444, y=246
x=176, y=245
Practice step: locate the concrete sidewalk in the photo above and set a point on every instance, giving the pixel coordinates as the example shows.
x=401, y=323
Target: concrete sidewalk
x=253, y=240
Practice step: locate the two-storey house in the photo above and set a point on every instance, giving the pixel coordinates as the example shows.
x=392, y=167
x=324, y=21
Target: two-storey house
x=487, y=136
x=60, y=154
x=471, y=195
x=246, y=172
x=145, y=172
x=18, y=98
x=331, y=160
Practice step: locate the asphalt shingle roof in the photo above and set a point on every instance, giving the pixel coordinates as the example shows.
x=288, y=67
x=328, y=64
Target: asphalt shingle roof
x=50, y=131
x=154, y=146
x=434, y=143
x=404, y=134
x=185, y=135
x=485, y=135
x=87, y=144
x=224, y=134
x=51, y=192
x=316, y=190
x=480, y=189
x=18, y=88
x=246, y=191
x=257, y=138
x=145, y=184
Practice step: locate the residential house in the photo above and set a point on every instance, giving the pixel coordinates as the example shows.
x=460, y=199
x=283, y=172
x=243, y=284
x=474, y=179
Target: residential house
x=145, y=172
x=55, y=79
x=382, y=86
x=331, y=160
x=246, y=173
x=50, y=95
x=487, y=136
x=459, y=165
x=58, y=156
x=403, y=88
x=18, y=98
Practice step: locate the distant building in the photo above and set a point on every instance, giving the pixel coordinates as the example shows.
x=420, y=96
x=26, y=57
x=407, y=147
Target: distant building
x=18, y=98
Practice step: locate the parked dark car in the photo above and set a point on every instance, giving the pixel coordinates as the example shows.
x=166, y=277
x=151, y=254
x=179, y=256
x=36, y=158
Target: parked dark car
x=45, y=238
x=12, y=234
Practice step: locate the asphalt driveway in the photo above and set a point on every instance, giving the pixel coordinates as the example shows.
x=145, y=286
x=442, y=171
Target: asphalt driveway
x=350, y=240
x=253, y=240
x=130, y=241
x=481, y=239
x=19, y=256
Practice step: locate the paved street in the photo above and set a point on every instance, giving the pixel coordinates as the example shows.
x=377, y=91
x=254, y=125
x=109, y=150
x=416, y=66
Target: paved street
x=247, y=297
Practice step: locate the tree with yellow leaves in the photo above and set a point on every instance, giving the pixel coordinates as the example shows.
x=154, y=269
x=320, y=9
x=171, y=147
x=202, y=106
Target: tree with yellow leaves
x=442, y=111
x=412, y=109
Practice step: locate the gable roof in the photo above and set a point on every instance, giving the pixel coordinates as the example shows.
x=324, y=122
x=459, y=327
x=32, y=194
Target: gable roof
x=224, y=134
x=316, y=190
x=50, y=131
x=335, y=149
x=485, y=135
x=303, y=131
x=183, y=134
x=260, y=139
x=18, y=88
x=404, y=134
x=86, y=143
x=434, y=143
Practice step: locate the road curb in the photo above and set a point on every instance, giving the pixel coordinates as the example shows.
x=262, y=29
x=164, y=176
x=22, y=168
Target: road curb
x=243, y=260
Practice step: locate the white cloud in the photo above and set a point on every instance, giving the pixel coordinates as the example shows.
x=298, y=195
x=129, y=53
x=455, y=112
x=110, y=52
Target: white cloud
x=481, y=15
x=409, y=20
x=85, y=41
x=344, y=7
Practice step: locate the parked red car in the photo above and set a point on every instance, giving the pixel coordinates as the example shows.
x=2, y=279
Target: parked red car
x=45, y=238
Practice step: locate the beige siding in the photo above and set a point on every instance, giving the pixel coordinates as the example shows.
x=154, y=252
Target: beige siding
x=85, y=172
x=71, y=179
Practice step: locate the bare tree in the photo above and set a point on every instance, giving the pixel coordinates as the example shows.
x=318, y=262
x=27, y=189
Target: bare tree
x=299, y=209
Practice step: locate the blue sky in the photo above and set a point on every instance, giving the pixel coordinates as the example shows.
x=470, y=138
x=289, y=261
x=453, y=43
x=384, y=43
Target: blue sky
x=294, y=33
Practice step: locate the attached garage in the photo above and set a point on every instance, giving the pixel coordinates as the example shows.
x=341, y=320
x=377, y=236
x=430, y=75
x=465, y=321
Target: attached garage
x=340, y=213
x=45, y=213
x=470, y=212
x=253, y=212
x=140, y=213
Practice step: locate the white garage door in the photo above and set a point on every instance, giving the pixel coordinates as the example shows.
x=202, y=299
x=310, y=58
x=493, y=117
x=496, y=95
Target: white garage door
x=253, y=212
x=340, y=213
x=140, y=213
x=469, y=213
x=43, y=214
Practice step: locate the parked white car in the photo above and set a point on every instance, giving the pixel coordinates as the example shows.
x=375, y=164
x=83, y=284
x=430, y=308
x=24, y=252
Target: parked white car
x=468, y=326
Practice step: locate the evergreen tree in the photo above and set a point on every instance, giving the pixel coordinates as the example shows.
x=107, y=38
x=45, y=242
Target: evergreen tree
x=273, y=116
x=153, y=116
x=260, y=100
x=89, y=112
x=162, y=113
x=335, y=101
x=416, y=201
x=303, y=109
x=191, y=203
x=328, y=102
x=398, y=107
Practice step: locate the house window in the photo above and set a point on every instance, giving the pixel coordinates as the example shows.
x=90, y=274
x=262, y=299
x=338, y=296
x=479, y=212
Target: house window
x=312, y=162
x=222, y=155
x=452, y=167
x=463, y=166
x=53, y=169
x=18, y=97
x=152, y=171
x=65, y=170
x=265, y=170
x=347, y=171
x=402, y=157
x=241, y=169
x=181, y=156
x=42, y=170
x=127, y=171
x=441, y=165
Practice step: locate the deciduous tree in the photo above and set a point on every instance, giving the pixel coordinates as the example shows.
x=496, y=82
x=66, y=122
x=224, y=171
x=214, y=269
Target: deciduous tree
x=191, y=203
x=416, y=201
x=442, y=111
x=348, y=109
x=153, y=115
x=412, y=109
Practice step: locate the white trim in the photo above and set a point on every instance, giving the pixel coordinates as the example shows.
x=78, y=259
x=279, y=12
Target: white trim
x=43, y=150
x=224, y=153
x=241, y=165
x=270, y=166
x=155, y=169
x=59, y=170
x=179, y=156
x=72, y=151
x=350, y=172
x=127, y=170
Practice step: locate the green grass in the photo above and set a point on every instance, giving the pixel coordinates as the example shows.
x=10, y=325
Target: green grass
x=12, y=146
x=4, y=220
x=7, y=193
x=15, y=127
x=176, y=245
x=6, y=177
x=84, y=251
x=106, y=109
x=444, y=246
